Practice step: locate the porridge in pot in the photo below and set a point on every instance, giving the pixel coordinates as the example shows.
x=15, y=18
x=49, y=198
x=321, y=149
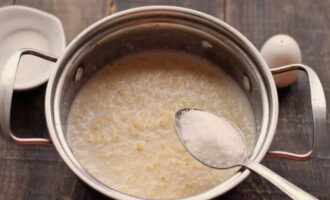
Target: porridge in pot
x=121, y=123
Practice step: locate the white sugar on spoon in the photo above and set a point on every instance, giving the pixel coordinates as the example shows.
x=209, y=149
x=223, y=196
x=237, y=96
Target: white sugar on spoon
x=218, y=143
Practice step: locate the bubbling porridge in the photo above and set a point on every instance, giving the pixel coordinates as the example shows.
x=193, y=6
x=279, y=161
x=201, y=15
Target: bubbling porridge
x=121, y=123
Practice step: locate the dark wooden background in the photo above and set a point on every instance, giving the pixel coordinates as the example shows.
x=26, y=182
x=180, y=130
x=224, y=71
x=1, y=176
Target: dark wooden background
x=38, y=173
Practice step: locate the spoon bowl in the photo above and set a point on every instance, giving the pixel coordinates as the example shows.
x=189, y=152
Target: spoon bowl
x=189, y=122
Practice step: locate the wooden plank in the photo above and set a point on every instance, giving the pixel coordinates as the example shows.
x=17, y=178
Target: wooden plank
x=39, y=173
x=6, y=2
x=212, y=7
x=308, y=22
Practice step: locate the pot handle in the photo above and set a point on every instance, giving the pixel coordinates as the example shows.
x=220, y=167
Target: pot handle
x=7, y=81
x=318, y=109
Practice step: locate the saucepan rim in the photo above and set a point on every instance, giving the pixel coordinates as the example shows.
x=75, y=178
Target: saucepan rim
x=54, y=92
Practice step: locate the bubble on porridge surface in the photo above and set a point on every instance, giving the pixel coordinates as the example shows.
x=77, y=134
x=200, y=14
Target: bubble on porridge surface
x=121, y=124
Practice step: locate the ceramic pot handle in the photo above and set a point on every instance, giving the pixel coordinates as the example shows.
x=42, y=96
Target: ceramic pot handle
x=7, y=81
x=318, y=109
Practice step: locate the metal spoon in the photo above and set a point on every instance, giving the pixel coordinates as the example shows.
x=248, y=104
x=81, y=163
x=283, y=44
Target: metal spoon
x=228, y=153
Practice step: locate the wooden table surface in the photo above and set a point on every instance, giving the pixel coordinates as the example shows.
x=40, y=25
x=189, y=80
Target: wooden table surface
x=38, y=173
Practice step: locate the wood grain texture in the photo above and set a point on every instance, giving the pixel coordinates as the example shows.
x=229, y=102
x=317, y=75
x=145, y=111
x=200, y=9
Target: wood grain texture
x=38, y=173
x=6, y=2
x=212, y=7
x=307, y=22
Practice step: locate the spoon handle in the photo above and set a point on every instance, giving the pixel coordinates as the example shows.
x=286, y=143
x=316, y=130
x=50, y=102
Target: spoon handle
x=291, y=190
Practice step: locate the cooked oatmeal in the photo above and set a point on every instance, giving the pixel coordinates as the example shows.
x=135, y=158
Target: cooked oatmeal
x=121, y=124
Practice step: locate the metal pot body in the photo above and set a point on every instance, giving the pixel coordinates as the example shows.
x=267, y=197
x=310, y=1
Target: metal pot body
x=161, y=28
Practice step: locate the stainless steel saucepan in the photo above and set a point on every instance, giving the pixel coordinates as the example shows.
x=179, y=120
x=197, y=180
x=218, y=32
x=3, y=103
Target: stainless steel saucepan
x=161, y=27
